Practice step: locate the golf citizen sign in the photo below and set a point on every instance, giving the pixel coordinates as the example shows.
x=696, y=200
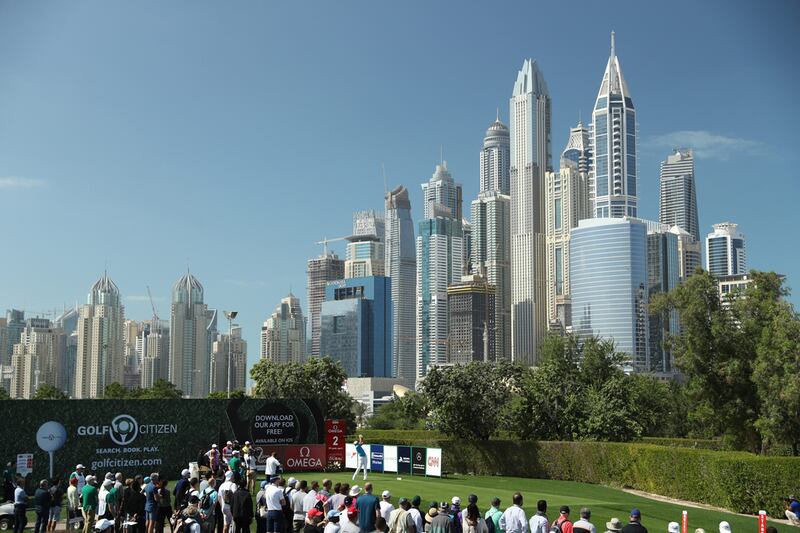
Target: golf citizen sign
x=143, y=436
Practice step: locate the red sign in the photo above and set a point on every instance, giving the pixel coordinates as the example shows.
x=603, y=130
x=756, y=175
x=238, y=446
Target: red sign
x=300, y=457
x=335, y=432
x=685, y=522
x=762, y=522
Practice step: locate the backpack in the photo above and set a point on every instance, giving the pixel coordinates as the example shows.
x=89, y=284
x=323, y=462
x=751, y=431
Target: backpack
x=556, y=527
x=489, y=525
x=228, y=497
x=205, y=501
x=455, y=522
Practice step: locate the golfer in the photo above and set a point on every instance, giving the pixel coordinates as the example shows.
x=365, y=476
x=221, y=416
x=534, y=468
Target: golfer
x=362, y=457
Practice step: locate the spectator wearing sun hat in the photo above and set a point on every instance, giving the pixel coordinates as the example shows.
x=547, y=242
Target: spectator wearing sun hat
x=635, y=524
x=673, y=527
x=724, y=527
x=615, y=526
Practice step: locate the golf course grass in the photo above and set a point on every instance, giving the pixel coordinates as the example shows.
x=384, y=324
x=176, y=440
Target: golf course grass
x=604, y=502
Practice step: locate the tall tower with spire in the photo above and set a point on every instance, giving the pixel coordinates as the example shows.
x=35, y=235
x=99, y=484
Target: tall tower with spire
x=100, y=350
x=496, y=158
x=189, y=351
x=614, y=185
x=530, y=158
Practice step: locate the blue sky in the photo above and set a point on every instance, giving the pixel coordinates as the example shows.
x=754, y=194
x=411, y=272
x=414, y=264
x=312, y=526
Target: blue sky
x=233, y=135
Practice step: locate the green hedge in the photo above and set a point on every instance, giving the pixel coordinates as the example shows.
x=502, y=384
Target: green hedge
x=738, y=481
x=703, y=444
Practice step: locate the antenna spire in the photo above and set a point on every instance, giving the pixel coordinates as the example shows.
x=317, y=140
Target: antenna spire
x=498, y=115
x=613, y=45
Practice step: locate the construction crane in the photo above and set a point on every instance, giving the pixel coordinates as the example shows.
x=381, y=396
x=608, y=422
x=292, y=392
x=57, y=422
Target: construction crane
x=156, y=320
x=324, y=242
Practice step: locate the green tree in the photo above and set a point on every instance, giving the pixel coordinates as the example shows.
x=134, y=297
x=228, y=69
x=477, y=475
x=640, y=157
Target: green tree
x=223, y=395
x=610, y=412
x=115, y=391
x=551, y=396
x=470, y=400
x=161, y=390
x=45, y=391
x=3, y=394
x=406, y=412
x=777, y=378
x=599, y=360
x=319, y=378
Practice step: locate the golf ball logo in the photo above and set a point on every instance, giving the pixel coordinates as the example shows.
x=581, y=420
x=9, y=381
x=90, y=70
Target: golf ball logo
x=124, y=429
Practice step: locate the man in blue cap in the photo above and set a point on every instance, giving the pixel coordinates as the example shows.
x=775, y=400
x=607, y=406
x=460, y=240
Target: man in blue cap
x=635, y=525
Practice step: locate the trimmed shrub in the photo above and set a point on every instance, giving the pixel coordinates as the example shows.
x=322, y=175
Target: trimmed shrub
x=738, y=481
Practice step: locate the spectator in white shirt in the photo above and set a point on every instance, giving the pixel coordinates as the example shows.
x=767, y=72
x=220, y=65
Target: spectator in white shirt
x=275, y=502
x=583, y=525
x=538, y=522
x=386, y=505
x=227, y=487
x=310, y=499
x=514, y=520
x=272, y=466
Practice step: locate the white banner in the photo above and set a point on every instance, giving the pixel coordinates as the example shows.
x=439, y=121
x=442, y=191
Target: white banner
x=434, y=465
x=390, y=458
x=351, y=456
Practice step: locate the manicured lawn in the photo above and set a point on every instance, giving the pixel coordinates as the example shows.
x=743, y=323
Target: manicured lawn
x=604, y=502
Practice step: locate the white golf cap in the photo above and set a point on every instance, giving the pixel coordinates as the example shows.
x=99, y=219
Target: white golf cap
x=724, y=527
x=386, y=494
x=79, y=466
x=213, y=445
x=291, y=481
x=456, y=500
x=247, y=442
x=228, y=475
x=674, y=527
x=185, y=472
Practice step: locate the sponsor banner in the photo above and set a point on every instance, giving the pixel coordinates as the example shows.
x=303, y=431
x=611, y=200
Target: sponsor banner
x=302, y=457
x=403, y=460
x=24, y=464
x=376, y=457
x=139, y=436
x=418, y=457
x=335, y=431
x=390, y=458
x=350, y=460
x=433, y=466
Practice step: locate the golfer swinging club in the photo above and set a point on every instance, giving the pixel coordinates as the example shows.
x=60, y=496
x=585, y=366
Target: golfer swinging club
x=362, y=457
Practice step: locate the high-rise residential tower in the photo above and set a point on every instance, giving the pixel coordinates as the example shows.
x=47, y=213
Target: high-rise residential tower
x=608, y=278
x=100, y=351
x=37, y=358
x=614, y=145
x=471, y=328
x=439, y=263
x=401, y=268
x=365, y=253
x=725, y=251
x=567, y=203
x=321, y=270
x=189, y=357
x=283, y=336
x=688, y=252
x=530, y=158
x=229, y=352
x=677, y=192
x=491, y=230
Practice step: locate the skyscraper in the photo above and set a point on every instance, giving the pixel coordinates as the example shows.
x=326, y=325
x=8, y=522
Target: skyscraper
x=131, y=337
x=153, y=348
x=688, y=252
x=68, y=322
x=567, y=203
x=677, y=192
x=663, y=275
x=321, y=270
x=12, y=328
x=471, y=328
x=99, y=360
x=189, y=358
x=491, y=254
x=235, y=346
x=495, y=158
x=283, y=336
x=365, y=253
x=530, y=159
x=608, y=278
x=491, y=230
x=37, y=358
x=401, y=268
x=356, y=325
x=725, y=251
x=440, y=244
x=614, y=144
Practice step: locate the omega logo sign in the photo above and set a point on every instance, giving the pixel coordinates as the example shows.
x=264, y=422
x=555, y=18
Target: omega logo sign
x=305, y=460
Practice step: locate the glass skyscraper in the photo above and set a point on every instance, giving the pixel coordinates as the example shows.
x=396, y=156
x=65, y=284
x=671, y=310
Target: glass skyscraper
x=677, y=192
x=614, y=143
x=608, y=278
x=401, y=267
x=356, y=325
x=725, y=252
x=663, y=275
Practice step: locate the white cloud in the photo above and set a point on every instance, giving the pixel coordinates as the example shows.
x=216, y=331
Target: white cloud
x=144, y=298
x=14, y=182
x=706, y=145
